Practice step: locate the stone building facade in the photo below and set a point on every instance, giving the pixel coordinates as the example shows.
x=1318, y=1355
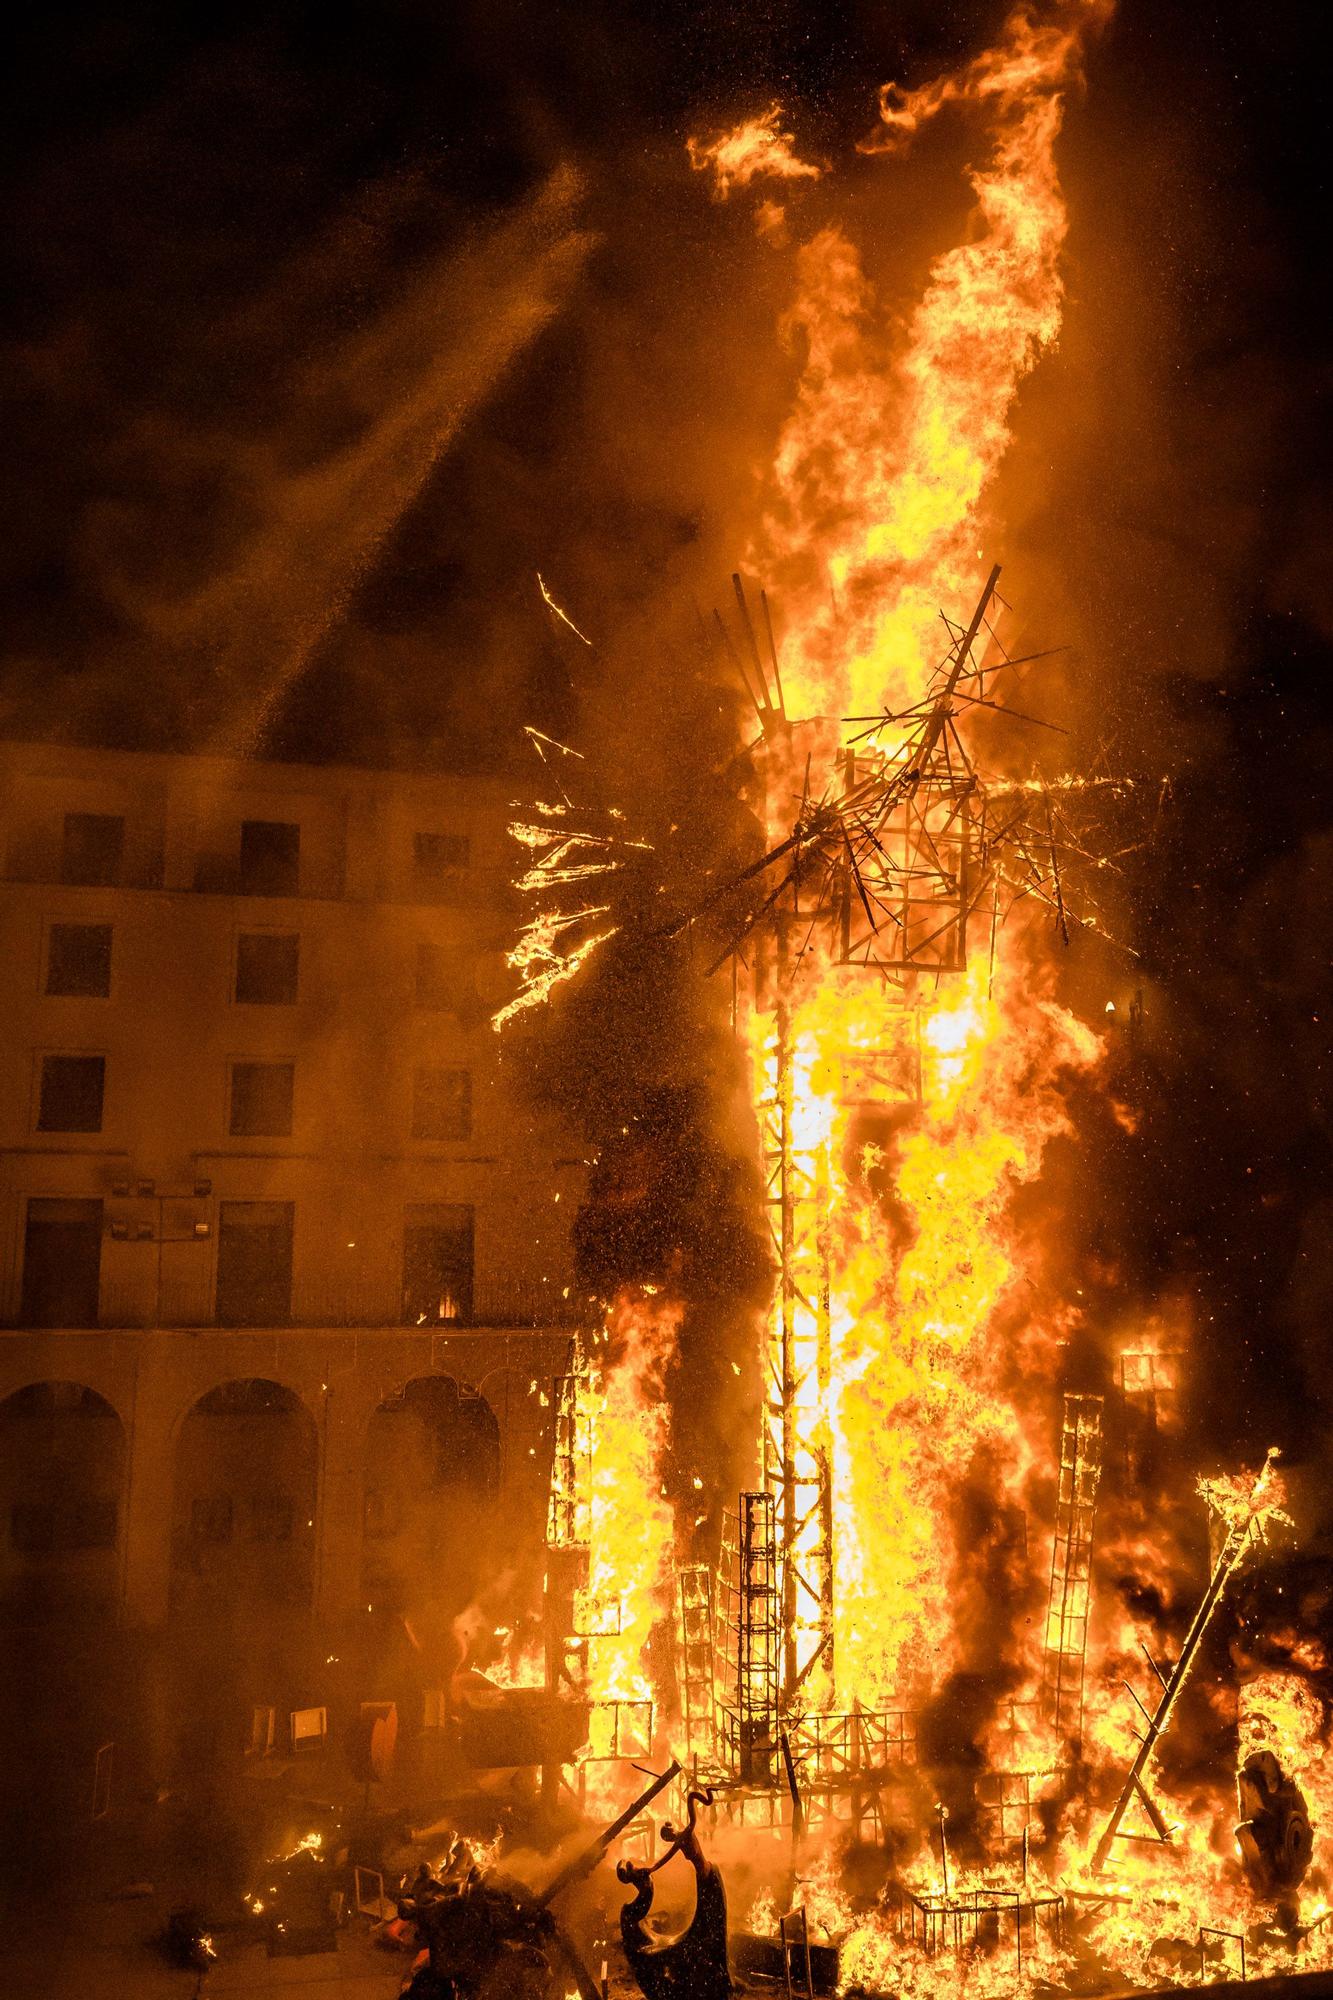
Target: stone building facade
x=284, y=1251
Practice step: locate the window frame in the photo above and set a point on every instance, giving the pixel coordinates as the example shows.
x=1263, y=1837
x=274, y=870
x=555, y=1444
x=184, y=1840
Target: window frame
x=258, y=1062
x=40, y=1059
x=275, y=931
x=458, y=1138
x=420, y=1218
x=32, y=1217
x=289, y=1218
x=116, y=879
x=54, y=924
x=247, y=888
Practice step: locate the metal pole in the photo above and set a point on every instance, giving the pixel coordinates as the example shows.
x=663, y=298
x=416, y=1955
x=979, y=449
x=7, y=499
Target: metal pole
x=787, y=1439
x=587, y=1858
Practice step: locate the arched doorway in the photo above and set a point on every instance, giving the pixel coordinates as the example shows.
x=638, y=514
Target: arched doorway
x=243, y=1513
x=432, y=1472
x=62, y=1478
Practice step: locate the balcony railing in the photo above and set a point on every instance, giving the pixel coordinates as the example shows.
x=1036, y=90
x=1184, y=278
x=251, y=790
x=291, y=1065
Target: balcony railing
x=510, y=1303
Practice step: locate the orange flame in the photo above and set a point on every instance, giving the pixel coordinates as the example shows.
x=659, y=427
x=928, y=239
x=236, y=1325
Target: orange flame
x=918, y=1343
x=757, y=150
x=631, y=1532
x=872, y=528
x=883, y=465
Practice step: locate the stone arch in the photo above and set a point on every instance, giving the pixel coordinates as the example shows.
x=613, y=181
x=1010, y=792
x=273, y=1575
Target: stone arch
x=63, y=1462
x=110, y=1384
x=431, y=1479
x=188, y=1395
x=244, y=1499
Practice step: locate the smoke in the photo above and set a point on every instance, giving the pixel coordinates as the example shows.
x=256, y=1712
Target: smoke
x=364, y=429
x=233, y=542
x=1162, y=501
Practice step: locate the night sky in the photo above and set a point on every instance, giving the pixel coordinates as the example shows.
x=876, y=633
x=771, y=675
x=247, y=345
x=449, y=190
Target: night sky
x=327, y=330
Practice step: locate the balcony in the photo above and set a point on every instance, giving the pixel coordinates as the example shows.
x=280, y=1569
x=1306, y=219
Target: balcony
x=506, y=1304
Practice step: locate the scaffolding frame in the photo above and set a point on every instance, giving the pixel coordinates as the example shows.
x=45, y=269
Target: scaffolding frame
x=1150, y=1378
x=619, y=1727
x=752, y=1637
x=832, y=1747
x=1150, y=1385
x=1065, y=1654
x=845, y=1762
x=794, y=1938
x=568, y=1529
x=1245, y=1524
x=902, y=840
x=568, y=1519
x=1008, y=1804
x=796, y=1453
x=882, y=869
x=698, y=1646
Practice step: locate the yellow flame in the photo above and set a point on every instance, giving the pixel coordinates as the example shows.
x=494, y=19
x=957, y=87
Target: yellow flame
x=878, y=485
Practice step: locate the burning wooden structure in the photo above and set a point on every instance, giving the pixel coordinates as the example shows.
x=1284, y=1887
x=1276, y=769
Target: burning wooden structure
x=915, y=1624
x=880, y=883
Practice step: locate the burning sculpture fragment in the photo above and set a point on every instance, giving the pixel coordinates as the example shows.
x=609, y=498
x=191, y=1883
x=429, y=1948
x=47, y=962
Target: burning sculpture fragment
x=1273, y=1831
x=958, y=1676
x=693, y=1965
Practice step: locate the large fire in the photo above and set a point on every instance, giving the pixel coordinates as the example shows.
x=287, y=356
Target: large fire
x=915, y=1352
x=880, y=480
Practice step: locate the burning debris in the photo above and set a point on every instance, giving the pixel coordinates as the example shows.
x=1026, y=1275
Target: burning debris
x=697, y=1961
x=567, y=845
x=757, y=150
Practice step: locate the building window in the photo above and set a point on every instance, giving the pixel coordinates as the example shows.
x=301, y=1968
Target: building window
x=71, y=1094
x=437, y=855
x=254, y=1263
x=438, y=1255
x=78, y=960
x=442, y=1103
x=267, y=968
x=270, y=858
x=62, y=1263
x=92, y=849
x=261, y=1100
